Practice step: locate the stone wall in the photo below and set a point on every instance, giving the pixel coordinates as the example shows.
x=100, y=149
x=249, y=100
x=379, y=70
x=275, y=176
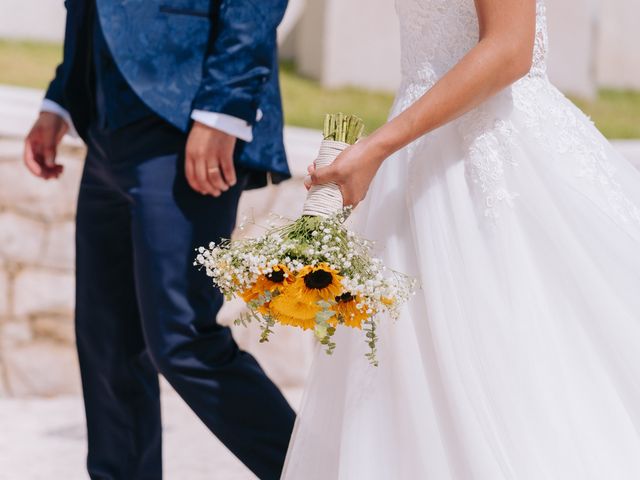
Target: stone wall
x=36, y=275
x=37, y=354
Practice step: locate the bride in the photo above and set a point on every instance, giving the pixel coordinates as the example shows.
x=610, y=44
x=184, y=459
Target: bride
x=520, y=356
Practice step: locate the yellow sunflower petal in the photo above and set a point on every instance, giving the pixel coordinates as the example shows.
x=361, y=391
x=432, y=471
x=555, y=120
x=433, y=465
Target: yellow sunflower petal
x=290, y=309
x=350, y=314
x=305, y=324
x=264, y=284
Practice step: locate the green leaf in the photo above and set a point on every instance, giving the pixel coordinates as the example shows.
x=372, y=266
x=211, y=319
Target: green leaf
x=320, y=331
x=323, y=316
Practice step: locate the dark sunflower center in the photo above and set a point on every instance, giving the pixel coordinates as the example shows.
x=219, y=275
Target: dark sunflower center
x=344, y=298
x=318, y=279
x=277, y=276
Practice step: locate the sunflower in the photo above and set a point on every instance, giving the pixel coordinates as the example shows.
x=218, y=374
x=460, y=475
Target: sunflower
x=290, y=309
x=346, y=308
x=269, y=282
x=319, y=282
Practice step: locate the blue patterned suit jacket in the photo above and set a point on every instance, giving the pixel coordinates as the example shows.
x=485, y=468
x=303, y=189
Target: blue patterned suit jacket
x=180, y=55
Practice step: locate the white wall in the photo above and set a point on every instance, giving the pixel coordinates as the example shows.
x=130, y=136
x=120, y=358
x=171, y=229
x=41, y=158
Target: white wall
x=592, y=43
x=309, y=47
x=362, y=44
x=32, y=19
x=356, y=42
x=618, y=54
x=349, y=43
x=572, y=44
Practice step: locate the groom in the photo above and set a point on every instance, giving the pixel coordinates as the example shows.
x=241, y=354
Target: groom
x=179, y=104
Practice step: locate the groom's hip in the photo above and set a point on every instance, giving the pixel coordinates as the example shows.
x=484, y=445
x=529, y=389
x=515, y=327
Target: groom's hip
x=134, y=191
x=147, y=154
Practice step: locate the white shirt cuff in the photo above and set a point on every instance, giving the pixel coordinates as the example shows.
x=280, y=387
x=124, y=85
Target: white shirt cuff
x=225, y=123
x=220, y=121
x=52, y=107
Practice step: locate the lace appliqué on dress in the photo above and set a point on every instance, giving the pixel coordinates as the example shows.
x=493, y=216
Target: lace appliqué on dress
x=436, y=34
x=489, y=145
x=572, y=137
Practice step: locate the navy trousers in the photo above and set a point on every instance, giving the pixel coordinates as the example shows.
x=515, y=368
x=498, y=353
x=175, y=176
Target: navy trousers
x=144, y=309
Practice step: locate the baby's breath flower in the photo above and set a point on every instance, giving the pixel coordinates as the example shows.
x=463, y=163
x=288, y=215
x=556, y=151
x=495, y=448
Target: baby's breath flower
x=237, y=267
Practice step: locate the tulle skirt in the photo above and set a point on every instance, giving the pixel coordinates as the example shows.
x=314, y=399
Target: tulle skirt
x=519, y=358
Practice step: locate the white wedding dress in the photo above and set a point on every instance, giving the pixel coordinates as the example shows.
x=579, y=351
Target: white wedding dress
x=519, y=358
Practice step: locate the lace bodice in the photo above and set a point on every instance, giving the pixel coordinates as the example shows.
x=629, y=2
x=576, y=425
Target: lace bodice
x=436, y=34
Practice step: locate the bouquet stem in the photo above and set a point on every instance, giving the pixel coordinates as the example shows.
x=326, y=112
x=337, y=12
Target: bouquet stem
x=340, y=131
x=343, y=128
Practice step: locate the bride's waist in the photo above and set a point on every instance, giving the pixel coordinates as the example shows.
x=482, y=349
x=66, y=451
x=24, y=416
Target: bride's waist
x=421, y=71
x=532, y=88
x=415, y=83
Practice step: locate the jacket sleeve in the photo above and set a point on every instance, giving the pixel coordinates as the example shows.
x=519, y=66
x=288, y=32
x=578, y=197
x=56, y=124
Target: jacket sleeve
x=54, y=92
x=240, y=57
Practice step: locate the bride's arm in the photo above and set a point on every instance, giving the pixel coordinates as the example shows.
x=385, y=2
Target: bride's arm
x=502, y=55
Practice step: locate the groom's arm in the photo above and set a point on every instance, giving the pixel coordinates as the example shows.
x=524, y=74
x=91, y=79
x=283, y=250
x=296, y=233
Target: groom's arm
x=240, y=57
x=54, y=102
x=41, y=143
x=238, y=64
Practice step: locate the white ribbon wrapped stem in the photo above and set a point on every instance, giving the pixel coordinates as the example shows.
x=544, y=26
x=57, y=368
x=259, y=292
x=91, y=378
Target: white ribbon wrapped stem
x=325, y=200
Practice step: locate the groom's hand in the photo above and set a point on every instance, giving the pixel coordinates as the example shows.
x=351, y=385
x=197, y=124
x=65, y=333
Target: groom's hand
x=209, y=160
x=41, y=145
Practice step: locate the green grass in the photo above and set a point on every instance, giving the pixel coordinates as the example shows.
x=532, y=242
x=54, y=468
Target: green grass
x=28, y=64
x=615, y=112
x=31, y=64
x=305, y=102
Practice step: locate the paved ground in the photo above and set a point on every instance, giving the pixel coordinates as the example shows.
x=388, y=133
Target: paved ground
x=47, y=441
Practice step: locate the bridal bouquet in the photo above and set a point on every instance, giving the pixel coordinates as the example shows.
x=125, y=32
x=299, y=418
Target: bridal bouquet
x=311, y=273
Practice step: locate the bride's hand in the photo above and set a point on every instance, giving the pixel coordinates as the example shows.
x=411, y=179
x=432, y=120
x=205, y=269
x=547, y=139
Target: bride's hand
x=352, y=171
